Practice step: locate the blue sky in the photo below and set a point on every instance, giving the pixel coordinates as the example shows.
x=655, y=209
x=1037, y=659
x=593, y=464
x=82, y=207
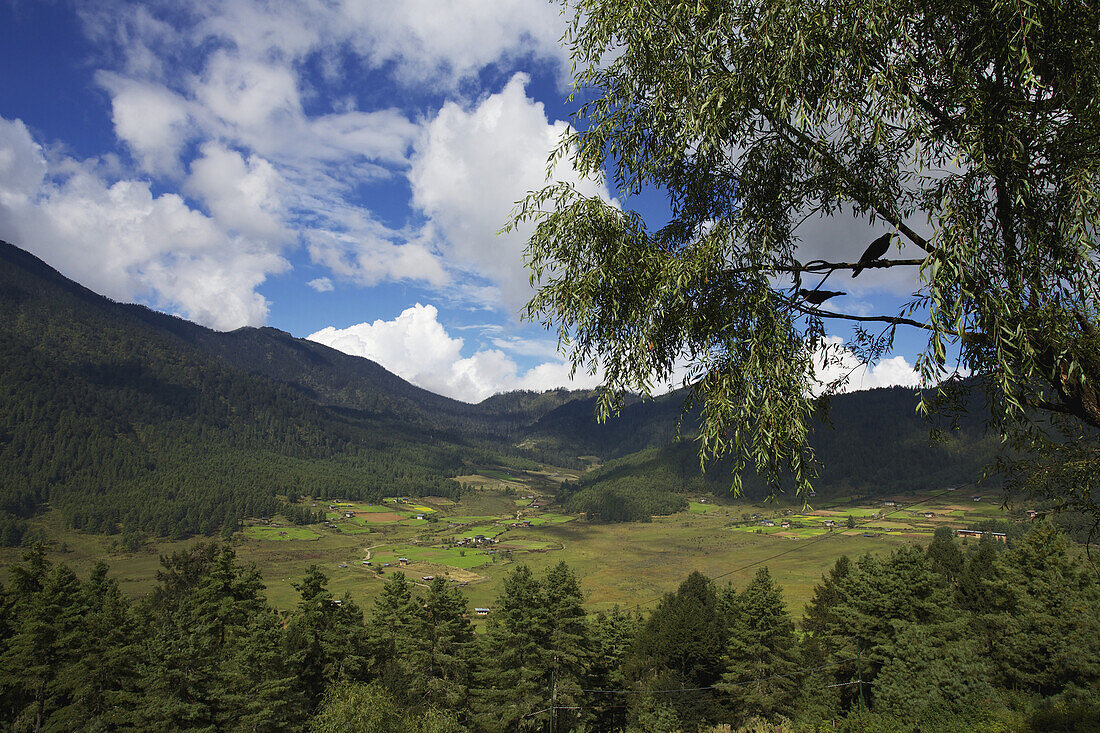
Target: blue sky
x=334, y=168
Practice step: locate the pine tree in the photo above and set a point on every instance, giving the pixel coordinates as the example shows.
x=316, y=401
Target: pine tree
x=614, y=634
x=442, y=650
x=878, y=599
x=944, y=554
x=972, y=591
x=326, y=640
x=827, y=594
x=936, y=673
x=390, y=630
x=761, y=656
x=513, y=684
x=681, y=645
x=192, y=625
x=569, y=641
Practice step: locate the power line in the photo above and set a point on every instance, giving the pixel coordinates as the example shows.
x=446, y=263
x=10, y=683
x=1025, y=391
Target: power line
x=727, y=685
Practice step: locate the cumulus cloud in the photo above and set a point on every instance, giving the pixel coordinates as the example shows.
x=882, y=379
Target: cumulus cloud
x=470, y=168
x=321, y=285
x=121, y=240
x=150, y=119
x=836, y=362
x=428, y=41
x=417, y=347
x=242, y=195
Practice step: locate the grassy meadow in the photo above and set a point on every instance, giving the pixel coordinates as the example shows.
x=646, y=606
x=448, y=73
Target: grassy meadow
x=631, y=565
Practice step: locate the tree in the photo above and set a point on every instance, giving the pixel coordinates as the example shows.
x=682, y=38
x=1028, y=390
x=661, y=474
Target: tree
x=326, y=641
x=681, y=647
x=442, y=649
x=761, y=657
x=946, y=558
x=971, y=133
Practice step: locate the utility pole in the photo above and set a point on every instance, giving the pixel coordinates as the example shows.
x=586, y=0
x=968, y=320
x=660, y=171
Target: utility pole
x=553, y=698
x=859, y=675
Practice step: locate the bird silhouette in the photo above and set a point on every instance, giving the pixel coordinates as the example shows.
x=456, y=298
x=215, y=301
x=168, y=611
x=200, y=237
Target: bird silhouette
x=874, y=251
x=817, y=297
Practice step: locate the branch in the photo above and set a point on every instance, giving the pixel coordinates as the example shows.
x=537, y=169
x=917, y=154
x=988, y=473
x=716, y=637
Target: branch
x=857, y=190
x=823, y=266
x=893, y=320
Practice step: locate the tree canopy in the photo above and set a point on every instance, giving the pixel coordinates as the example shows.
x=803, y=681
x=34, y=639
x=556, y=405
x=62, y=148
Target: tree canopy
x=970, y=132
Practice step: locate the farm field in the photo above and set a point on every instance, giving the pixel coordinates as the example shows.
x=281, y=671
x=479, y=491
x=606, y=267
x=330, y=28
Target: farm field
x=631, y=565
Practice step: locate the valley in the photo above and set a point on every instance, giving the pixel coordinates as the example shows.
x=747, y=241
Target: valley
x=507, y=517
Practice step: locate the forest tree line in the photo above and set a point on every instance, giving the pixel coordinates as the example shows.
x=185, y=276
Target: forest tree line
x=943, y=638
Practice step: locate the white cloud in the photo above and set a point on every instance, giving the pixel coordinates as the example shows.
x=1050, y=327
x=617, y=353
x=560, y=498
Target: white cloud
x=367, y=253
x=22, y=166
x=471, y=167
x=417, y=347
x=842, y=364
x=321, y=285
x=443, y=42
x=242, y=195
x=150, y=119
x=121, y=240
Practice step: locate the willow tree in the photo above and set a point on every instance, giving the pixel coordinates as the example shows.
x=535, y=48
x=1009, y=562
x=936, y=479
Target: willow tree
x=968, y=131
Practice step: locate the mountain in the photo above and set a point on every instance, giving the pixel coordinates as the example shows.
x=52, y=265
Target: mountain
x=126, y=419
x=869, y=443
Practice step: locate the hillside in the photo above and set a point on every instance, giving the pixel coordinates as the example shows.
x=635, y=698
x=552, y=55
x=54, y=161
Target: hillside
x=871, y=444
x=126, y=419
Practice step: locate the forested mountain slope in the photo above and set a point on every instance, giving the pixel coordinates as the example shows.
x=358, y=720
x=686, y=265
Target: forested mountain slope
x=872, y=443
x=127, y=419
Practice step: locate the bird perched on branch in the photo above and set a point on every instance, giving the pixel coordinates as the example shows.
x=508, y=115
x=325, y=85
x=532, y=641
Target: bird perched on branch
x=875, y=250
x=817, y=297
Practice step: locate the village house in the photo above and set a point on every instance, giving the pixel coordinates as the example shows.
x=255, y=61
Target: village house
x=481, y=611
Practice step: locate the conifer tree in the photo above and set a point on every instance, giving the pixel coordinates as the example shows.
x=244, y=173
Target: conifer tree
x=761, y=655
x=390, y=630
x=513, y=685
x=326, y=641
x=681, y=645
x=946, y=557
x=613, y=636
x=442, y=641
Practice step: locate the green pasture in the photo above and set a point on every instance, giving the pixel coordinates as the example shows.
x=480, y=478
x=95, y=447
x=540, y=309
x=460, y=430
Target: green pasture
x=630, y=565
x=551, y=518
x=454, y=557
x=499, y=475
x=528, y=544
x=697, y=507
x=280, y=534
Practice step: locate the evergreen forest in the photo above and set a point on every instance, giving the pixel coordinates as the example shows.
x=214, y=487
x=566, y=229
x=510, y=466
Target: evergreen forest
x=987, y=637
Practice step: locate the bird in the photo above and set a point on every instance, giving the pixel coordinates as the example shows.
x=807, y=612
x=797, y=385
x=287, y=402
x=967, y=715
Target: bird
x=874, y=251
x=817, y=297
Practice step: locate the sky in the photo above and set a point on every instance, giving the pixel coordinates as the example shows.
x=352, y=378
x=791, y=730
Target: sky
x=338, y=169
